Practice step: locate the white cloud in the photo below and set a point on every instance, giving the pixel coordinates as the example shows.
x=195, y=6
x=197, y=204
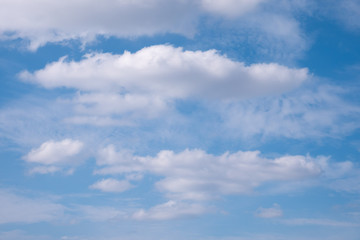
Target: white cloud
x=43, y=21
x=272, y=212
x=52, y=156
x=52, y=152
x=170, y=210
x=166, y=71
x=19, y=209
x=111, y=185
x=197, y=175
x=144, y=84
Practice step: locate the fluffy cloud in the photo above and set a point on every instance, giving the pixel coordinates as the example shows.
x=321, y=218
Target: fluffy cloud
x=43, y=21
x=197, y=175
x=52, y=152
x=272, y=212
x=111, y=185
x=19, y=209
x=145, y=83
x=52, y=155
x=169, y=210
x=169, y=72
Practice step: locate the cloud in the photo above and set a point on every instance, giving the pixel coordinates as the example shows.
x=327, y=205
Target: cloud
x=350, y=13
x=52, y=152
x=111, y=185
x=197, y=175
x=347, y=12
x=104, y=109
x=349, y=183
x=166, y=71
x=146, y=83
x=230, y=8
x=97, y=213
x=42, y=21
x=52, y=155
x=169, y=72
x=19, y=234
x=310, y=112
x=319, y=222
x=44, y=169
x=19, y=209
x=272, y=212
x=170, y=210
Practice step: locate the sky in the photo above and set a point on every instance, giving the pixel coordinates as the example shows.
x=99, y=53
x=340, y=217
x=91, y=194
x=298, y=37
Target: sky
x=179, y=119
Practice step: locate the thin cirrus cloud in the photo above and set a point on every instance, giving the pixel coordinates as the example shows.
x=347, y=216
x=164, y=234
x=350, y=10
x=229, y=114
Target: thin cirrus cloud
x=111, y=185
x=347, y=12
x=230, y=8
x=319, y=222
x=170, y=210
x=197, y=175
x=20, y=209
x=272, y=212
x=320, y=111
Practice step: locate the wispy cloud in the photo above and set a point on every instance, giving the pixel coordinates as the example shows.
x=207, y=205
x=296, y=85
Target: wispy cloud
x=20, y=209
x=272, y=212
x=319, y=222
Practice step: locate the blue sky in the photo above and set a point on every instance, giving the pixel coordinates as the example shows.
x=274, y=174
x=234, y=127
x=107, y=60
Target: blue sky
x=181, y=119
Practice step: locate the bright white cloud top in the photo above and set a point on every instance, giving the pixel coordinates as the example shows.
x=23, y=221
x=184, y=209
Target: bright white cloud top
x=52, y=152
x=146, y=83
x=165, y=71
